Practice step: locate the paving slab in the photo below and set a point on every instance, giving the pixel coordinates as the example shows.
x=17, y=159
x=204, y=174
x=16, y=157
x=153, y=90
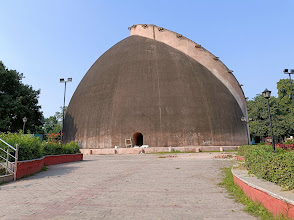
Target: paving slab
x=146, y=186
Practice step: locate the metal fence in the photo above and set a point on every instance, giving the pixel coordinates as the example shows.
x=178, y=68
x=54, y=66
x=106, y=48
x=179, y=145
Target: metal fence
x=7, y=158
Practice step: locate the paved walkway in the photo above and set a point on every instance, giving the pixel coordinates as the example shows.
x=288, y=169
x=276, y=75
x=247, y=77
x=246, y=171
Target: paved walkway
x=180, y=186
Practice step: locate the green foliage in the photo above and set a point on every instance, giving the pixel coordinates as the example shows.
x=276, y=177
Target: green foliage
x=252, y=207
x=59, y=114
x=276, y=167
x=58, y=148
x=52, y=148
x=256, y=160
x=257, y=110
x=17, y=101
x=72, y=148
x=30, y=147
x=282, y=113
x=284, y=94
x=53, y=124
x=242, y=150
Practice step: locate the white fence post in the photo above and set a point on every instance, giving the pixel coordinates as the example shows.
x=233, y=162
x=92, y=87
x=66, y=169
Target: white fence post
x=15, y=162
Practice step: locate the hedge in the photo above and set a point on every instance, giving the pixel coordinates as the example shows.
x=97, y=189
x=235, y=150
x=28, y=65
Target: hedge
x=31, y=147
x=58, y=148
x=242, y=150
x=274, y=166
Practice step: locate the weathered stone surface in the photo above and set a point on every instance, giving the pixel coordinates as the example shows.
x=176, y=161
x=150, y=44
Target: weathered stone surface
x=143, y=86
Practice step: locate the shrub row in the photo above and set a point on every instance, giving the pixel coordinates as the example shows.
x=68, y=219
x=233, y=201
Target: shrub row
x=31, y=147
x=242, y=150
x=58, y=148
x=274, y=166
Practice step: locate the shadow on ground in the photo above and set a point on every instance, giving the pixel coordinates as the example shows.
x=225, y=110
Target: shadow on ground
x=57, y=170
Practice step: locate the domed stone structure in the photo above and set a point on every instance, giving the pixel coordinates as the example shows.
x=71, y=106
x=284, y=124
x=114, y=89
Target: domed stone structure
x=160, y=89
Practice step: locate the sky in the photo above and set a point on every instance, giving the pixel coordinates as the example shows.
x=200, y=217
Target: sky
x=52, y=39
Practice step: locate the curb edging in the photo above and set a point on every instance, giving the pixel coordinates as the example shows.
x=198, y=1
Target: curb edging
x=274, y=203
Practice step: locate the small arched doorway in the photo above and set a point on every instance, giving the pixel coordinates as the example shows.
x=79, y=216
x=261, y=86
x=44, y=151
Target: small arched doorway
x=138, y=139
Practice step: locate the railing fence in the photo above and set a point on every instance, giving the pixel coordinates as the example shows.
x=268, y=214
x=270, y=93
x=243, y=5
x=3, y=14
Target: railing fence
x=10, y=167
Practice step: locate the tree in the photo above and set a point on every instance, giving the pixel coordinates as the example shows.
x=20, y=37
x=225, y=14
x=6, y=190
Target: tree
x=53, y=124
x=257, y=110
x=281, y=113
x=18, y=101
x=286, y=106
x=59, y=114
x=284, y=95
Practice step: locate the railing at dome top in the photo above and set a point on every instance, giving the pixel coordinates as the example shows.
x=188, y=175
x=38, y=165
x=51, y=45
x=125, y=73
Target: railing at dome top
x=10, y=167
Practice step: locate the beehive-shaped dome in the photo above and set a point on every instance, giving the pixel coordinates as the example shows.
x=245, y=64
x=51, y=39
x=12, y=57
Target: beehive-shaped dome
x=155, y=94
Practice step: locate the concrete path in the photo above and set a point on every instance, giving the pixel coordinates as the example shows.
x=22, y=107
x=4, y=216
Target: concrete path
x=179, y=186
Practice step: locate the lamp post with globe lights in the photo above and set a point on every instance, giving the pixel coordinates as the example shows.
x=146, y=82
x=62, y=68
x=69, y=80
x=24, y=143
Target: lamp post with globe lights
x=62, y=80
x=267, y=94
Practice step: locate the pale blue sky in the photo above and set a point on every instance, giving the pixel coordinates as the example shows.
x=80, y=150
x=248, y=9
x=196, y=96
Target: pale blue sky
x=51, y=39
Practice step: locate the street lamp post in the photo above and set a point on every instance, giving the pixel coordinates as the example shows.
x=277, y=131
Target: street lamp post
x=267, y=94
x=62, y=80
x=25, y=119
x=287, y=71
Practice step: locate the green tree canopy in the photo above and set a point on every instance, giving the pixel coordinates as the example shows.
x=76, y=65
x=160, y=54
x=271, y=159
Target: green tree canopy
x=284, y=95
x=16, y=102
x=53, y=124
x=281, y=113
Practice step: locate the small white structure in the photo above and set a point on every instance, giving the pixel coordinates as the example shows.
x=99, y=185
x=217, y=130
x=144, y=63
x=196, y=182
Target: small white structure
x=143, y=146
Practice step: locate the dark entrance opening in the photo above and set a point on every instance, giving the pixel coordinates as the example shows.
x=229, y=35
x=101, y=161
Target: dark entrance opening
x=138, y=139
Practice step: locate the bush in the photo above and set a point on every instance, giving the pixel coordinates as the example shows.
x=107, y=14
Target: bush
x=31, y=147
x=256, y=159
x=72, y=148
x=242, y=150
x=58, y=148
x=51, y=148
x=274, y=166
